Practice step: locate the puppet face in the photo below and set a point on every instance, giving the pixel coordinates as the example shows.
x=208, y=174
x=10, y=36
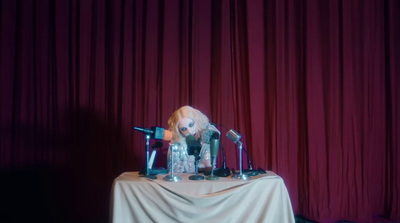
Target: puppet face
x=188, y=126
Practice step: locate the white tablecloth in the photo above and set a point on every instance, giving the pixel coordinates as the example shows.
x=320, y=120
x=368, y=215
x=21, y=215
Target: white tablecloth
x=264, y=198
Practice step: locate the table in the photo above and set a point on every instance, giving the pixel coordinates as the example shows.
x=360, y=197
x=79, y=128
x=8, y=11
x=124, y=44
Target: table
x=264, y=198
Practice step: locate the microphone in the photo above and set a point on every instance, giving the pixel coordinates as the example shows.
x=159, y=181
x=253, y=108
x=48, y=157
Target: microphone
x=234, y=136
x=194, y=146
x=153, y=133
x=156, y=133
x=214, y=145
x=223, y=171
x=145, y=131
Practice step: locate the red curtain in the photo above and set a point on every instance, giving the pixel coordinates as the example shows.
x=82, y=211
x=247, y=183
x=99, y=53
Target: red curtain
x=312, y=86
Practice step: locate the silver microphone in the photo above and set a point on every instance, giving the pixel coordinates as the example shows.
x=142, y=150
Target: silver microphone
x=234, y=136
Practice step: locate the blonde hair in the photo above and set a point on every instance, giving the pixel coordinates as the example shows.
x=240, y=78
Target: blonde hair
x=186, y=112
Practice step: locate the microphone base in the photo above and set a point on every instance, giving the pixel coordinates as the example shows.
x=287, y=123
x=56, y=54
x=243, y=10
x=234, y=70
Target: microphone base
x=154, y=171
x=220, y=172
x=172, y=178
x=250, y=172
x=152, y=177
x=242, y=177
x=196, y=177
x=212, y=177
x=261, y=171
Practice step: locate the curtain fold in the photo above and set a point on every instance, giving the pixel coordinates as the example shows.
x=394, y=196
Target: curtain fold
x=311, y=85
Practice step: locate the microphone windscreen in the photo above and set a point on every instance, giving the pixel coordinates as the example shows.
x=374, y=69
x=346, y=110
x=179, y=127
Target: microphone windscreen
x=167, y=135
x=193, y=145
x=157, y=145
x=158, y=132
x=190, y=138
x=233, y=136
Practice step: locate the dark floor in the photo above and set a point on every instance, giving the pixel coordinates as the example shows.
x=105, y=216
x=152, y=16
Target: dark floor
x=300, y=219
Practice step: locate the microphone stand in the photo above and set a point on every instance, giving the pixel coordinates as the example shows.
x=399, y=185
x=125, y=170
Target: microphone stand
x=172, y=177
x=196, y=166
x=224, y=171
x=194, y=148
x=240, y=175
x=212, y=176
x=147, y=133
x=147, y=157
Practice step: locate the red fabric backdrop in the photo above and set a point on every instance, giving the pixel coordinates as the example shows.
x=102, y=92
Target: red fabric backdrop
x=312, y=86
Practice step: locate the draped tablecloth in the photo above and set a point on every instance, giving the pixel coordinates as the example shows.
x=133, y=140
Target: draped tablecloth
x=264, y=198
